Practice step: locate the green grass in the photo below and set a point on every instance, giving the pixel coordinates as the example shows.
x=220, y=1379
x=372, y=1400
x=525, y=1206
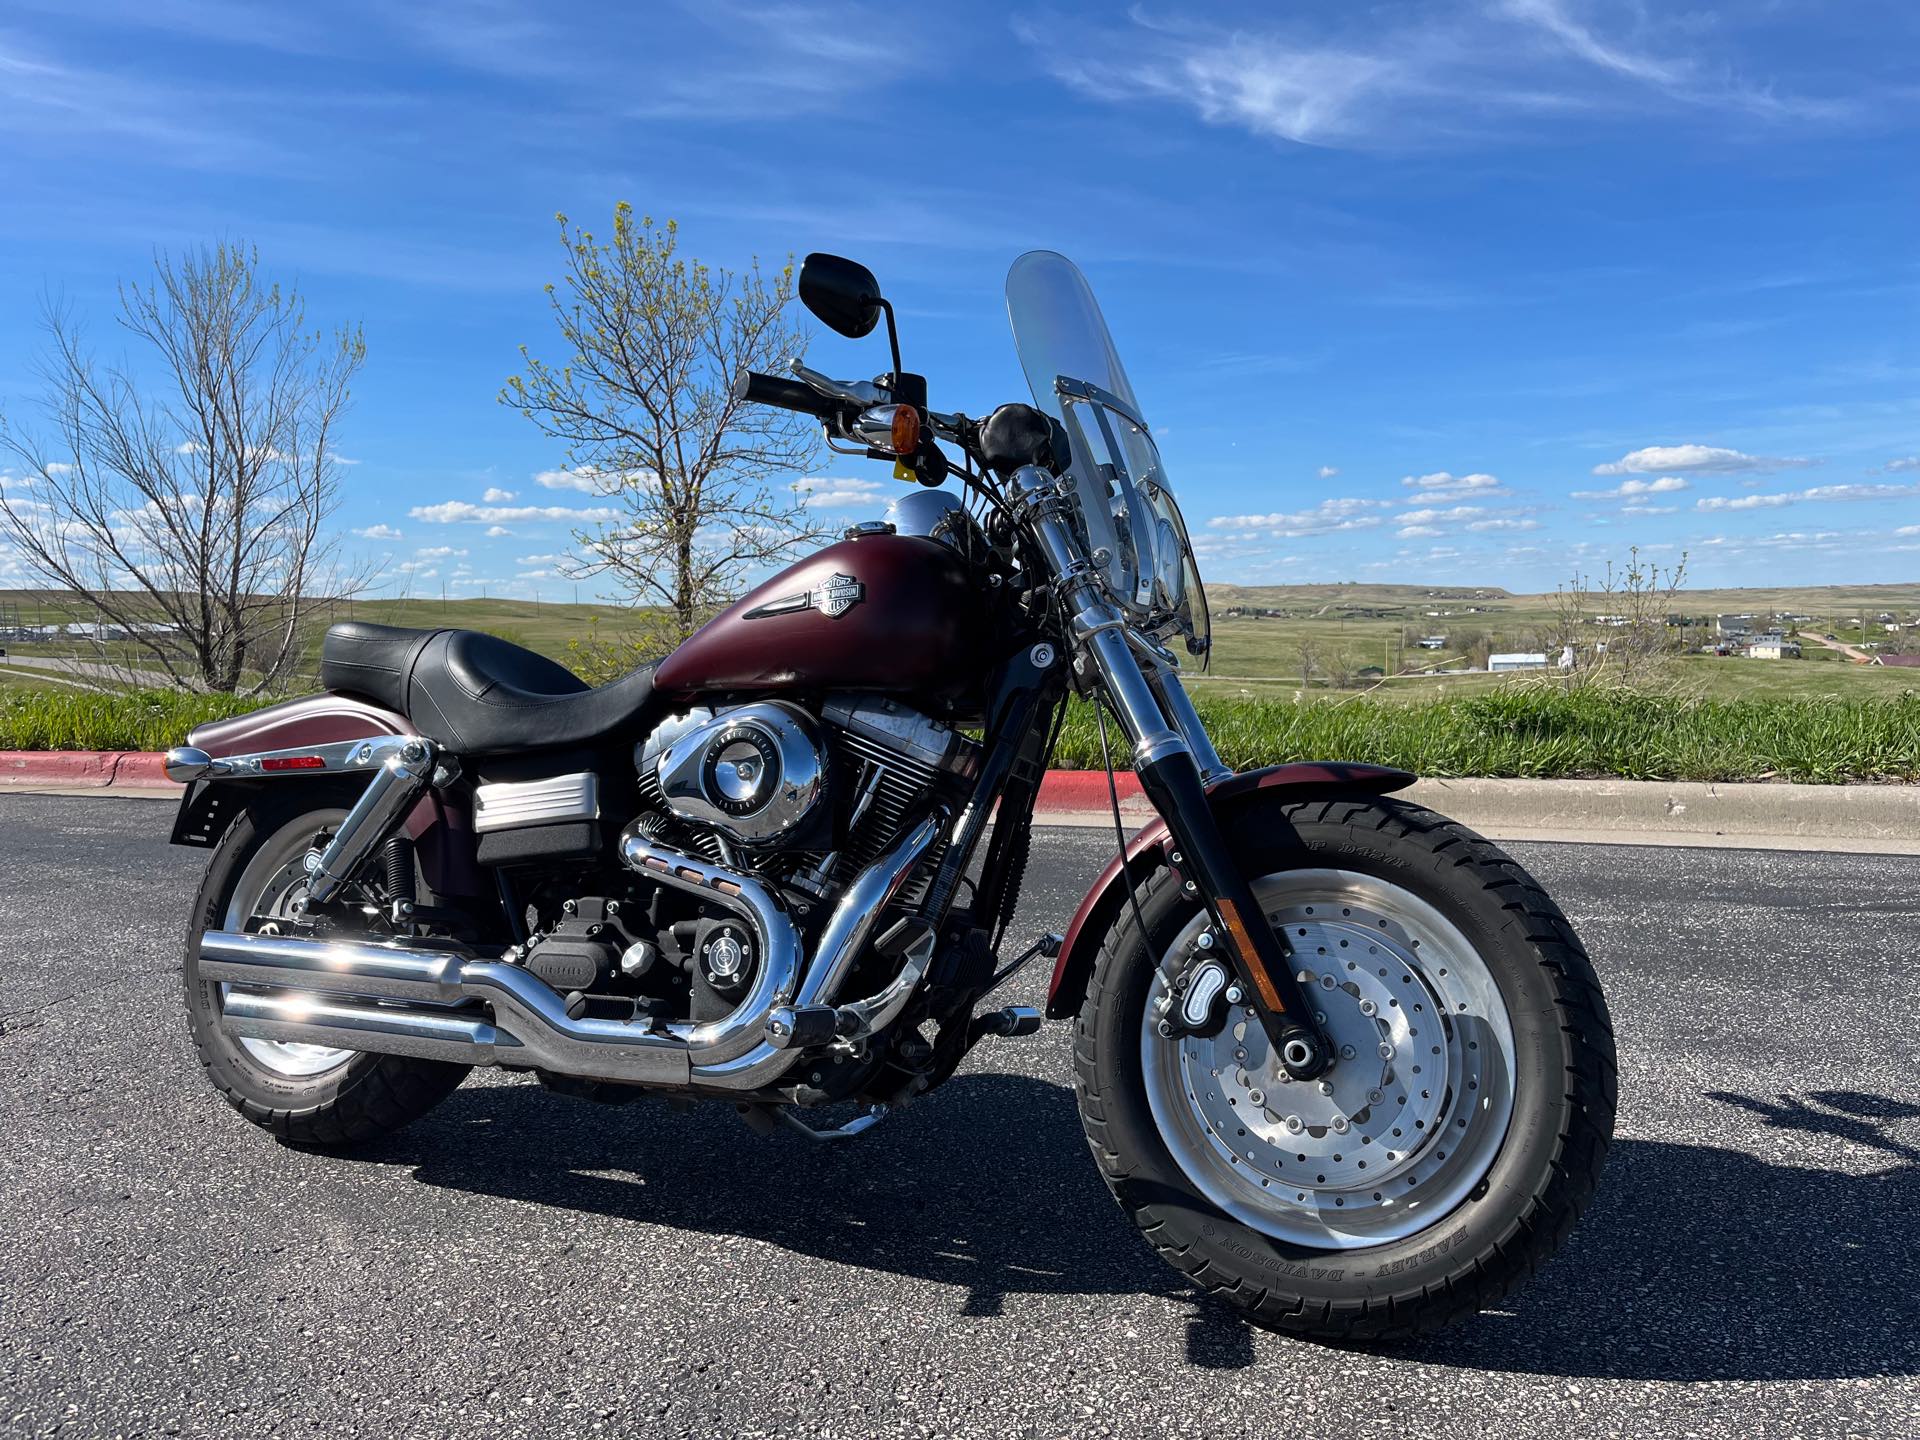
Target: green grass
x=1528, y=729
x=35, y=719
x=1537, y=731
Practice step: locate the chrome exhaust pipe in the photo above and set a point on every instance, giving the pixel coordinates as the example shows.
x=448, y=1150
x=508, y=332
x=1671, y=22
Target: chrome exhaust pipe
x=330, y=981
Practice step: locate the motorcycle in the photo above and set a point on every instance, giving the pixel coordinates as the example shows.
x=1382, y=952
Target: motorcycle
x=1341, y=1060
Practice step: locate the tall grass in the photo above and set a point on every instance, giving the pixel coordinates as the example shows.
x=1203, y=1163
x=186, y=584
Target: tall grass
x=1519, y=730
x=130, y=720
x=1543, y=732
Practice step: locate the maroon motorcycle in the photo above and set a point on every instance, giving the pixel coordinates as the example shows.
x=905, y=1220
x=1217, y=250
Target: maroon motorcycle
x=1342, y=1061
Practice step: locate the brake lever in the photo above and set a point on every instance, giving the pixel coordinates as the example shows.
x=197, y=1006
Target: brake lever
x=856, y=392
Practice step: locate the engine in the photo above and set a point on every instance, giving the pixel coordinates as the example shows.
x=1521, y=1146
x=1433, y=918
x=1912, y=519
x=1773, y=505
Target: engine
x=811, y=799
x=802, y=800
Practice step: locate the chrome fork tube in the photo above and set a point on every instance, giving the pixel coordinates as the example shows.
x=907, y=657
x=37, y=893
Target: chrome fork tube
x=1177, y=705
x=1100, y=629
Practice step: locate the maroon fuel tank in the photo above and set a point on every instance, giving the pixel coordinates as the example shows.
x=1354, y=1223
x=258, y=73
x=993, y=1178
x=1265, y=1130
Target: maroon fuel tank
x=894, y=613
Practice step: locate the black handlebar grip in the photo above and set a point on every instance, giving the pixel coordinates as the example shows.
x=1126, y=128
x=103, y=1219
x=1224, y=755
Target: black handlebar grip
x=786, y=394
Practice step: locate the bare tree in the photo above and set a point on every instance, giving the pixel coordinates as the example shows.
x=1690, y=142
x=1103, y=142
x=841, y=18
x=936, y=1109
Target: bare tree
x=183, y=502
x=644, y=404
x=1615, y=628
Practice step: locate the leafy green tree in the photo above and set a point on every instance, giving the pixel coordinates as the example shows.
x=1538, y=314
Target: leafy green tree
x=643, y=402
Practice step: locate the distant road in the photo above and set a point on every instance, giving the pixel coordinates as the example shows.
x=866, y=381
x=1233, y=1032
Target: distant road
x=92, y=670
x=1852, y=652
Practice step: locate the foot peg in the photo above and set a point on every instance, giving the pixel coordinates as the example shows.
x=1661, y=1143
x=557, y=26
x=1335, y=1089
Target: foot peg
x=1010, y=1023
x=802, y=1027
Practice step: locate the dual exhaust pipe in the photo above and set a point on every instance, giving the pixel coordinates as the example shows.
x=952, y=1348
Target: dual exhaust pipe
x=439, y=1004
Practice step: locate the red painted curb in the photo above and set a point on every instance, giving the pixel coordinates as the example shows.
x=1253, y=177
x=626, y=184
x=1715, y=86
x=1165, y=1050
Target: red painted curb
x=1071, y=792
x=1063, y=792
x=84, y=769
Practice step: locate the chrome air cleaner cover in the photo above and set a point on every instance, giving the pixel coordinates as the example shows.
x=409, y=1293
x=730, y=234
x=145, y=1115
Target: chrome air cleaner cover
x=752, y=773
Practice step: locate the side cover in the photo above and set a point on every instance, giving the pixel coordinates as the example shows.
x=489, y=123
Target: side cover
x=1151, y=848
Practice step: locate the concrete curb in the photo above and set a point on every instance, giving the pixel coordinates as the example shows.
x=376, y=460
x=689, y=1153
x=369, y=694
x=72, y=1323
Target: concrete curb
x=121, y=770
x=1874, y=819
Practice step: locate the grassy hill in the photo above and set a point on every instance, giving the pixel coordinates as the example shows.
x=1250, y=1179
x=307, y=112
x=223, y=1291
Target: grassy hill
x=1257, y=653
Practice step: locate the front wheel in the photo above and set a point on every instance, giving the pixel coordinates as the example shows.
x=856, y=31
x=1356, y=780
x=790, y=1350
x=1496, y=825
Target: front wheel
x=1459, y=1133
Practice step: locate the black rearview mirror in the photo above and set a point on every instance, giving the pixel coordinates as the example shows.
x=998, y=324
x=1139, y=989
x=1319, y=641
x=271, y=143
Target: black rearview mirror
x=842, y=293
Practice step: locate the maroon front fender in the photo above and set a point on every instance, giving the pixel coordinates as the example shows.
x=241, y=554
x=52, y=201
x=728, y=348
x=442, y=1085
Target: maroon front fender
x=1150, y=849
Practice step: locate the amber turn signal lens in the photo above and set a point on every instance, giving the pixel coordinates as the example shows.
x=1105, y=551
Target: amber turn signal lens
x=906, y=430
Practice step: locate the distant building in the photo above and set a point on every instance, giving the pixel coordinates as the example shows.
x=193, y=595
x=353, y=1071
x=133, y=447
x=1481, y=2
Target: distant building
x=1432, y=642
x=1773, y=647
x=1732, y=624
x=1519, y=660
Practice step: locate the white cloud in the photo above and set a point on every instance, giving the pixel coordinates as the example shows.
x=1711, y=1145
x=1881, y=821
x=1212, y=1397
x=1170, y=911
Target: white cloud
x=1415, y=532
x=1336, y=513
x=1858, y=492
x=1508, y=522
x=1815, y=494
x=494, y=532
x=1742, y=502
x=591, y=481
x=1327, y=472
x=1632, y=489
x=337, y=458
x=827, y=492
x=494, y=495
x=548, y=560
x=1648, y=509
x=1905, y=462
x=1440, y=485
x=437, y=552
x=460, y=512
x=1908, y=530
x=1417, y=75
x=535, y=575
x=1430, y=515
x=1697, y=460
x=378, y=532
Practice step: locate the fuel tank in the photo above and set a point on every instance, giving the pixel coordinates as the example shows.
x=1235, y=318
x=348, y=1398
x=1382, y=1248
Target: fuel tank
x=893, y=613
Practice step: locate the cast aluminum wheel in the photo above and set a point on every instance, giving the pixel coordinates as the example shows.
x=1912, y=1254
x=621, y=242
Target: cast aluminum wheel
x=1408, y=1121
x=272, y=881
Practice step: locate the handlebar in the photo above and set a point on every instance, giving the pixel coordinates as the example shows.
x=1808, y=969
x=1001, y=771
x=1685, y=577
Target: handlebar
x=775, y=390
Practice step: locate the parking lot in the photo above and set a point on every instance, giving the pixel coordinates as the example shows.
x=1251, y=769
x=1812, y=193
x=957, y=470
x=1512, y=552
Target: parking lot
x=518, y=1263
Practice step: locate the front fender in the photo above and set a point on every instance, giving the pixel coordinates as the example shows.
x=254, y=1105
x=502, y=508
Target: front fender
x=1151, y=848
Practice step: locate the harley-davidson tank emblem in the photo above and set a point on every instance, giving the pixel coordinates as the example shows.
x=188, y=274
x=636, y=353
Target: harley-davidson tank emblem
x=832, y=598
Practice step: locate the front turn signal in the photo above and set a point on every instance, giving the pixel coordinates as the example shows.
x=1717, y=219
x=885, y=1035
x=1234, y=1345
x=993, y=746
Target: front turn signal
x=894, y=429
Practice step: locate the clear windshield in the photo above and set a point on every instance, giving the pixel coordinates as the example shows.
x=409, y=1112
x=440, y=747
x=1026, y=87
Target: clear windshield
x=1130, y=522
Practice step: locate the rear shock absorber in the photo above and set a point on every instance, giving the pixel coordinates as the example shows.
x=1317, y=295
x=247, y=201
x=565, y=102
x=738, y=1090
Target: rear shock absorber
x=396, y=858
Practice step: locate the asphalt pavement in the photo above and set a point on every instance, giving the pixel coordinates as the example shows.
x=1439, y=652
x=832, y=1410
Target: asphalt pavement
x=522, y=1264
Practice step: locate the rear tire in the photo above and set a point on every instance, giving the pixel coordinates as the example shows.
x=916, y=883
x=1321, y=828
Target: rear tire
x=1366, y=1271
x=303, y=1095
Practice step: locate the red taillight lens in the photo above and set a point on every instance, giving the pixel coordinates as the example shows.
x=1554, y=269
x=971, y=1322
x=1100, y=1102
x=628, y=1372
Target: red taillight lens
x=294, y=762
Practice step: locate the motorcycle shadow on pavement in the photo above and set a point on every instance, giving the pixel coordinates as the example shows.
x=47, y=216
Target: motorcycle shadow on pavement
x=1694, y=1262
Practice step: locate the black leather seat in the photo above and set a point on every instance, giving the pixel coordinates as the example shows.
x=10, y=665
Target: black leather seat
x=475, y=693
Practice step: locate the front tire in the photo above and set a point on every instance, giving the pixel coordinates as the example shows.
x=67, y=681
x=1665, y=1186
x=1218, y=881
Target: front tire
x=1280, y=1197
x=306, y=1095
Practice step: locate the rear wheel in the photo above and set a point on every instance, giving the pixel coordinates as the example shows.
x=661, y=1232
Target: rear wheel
x=305, y=1094
x=1459, y=1133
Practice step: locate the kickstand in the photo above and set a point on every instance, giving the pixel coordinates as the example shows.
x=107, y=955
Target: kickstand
x=869, y=1116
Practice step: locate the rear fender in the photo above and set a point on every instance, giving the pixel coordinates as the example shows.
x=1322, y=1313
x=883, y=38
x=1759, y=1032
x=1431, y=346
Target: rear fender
x=440, y=825
x=1152, y=849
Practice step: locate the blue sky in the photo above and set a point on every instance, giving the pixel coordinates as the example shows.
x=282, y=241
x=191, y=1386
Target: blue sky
x=1427, y=292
